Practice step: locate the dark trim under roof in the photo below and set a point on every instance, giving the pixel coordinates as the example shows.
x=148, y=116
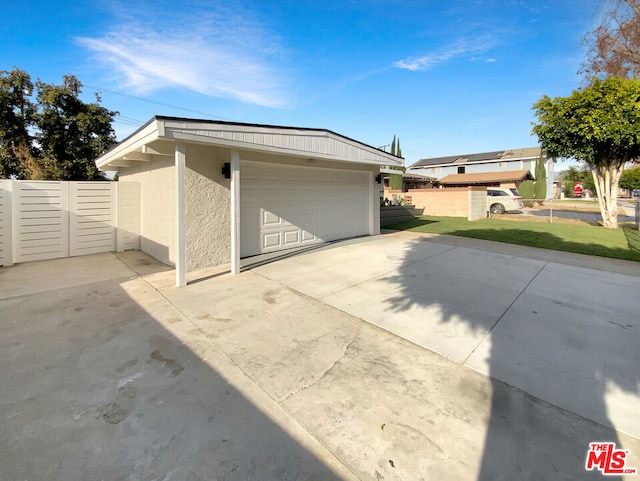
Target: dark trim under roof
x=485, y=178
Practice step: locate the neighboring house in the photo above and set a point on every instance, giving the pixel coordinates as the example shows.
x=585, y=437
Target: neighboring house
x=501, y=168
x=212, y=192
x=409, y=181
x=487, y=179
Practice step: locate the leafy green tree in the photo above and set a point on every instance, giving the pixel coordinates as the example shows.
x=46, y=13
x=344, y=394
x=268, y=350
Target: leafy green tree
x=630, y=179
x=17, y=117
x=540, y=186
x=48, y=132
x=587, y=180
x=599, y=125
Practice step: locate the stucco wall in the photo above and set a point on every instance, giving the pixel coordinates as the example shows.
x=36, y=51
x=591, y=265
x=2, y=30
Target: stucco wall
x=157, y=206
x=208, y=208
x=208, y=202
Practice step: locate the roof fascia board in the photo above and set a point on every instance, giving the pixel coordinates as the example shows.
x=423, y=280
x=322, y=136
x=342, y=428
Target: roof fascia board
x=144, y=136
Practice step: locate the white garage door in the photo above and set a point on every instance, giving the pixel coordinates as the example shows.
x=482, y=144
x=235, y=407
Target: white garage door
x=283, y=207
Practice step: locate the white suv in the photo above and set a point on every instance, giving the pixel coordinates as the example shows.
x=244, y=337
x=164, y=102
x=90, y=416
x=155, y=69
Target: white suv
x=501, y=200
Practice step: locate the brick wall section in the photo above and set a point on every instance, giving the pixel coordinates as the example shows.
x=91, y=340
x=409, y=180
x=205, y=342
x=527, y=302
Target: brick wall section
x=446, y=202
x=469, y=202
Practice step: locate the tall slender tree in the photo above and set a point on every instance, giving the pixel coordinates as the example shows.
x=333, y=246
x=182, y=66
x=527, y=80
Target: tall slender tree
x=540, y=186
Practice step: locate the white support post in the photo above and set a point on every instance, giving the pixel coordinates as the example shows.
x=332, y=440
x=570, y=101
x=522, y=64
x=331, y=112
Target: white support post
x=235, y=212
x=374, y=205
x=181, y=257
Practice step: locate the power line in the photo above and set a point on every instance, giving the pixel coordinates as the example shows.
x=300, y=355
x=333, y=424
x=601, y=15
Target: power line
x=163, y=104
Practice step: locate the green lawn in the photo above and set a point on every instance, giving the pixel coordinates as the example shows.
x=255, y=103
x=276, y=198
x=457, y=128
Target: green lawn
x=582, y=239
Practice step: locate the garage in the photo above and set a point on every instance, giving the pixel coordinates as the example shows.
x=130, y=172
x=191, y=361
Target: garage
x=284, y=207
x=213, y=193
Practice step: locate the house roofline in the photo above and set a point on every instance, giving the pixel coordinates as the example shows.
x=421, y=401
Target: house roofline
x=163, y=118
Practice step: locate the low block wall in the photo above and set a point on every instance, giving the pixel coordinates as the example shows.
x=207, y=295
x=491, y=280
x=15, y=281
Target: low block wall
x=469, y=202
x=446, y=202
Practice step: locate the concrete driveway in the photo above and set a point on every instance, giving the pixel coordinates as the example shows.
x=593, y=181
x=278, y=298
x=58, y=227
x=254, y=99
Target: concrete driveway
x=281, y=372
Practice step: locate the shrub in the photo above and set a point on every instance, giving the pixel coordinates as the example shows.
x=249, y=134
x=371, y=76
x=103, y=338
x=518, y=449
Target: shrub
x=527, y=191
x=395, y=181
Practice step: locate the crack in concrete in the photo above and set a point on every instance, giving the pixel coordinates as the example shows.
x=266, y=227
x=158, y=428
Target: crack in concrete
x=327, y=371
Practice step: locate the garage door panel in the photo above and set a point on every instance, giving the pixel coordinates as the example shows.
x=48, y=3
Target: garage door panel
x=283, y=207
x=271, y=240
x=269, y=218
x=292, y=237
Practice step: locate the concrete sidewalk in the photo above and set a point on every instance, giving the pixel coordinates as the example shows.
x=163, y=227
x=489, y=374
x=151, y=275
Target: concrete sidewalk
x=113, y=373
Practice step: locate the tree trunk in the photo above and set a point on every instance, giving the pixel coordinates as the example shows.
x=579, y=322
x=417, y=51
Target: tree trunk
x=606, y=180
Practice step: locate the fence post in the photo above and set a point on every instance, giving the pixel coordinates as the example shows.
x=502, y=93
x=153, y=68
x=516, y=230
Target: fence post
x=6, y=222
x=637, y=214
x=551, y=211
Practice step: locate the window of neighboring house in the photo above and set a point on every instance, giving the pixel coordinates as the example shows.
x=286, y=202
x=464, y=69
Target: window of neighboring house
x=435, y=170
x=461, y=169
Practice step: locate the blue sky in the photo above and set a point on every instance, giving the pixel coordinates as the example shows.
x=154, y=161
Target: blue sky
x=446, y=77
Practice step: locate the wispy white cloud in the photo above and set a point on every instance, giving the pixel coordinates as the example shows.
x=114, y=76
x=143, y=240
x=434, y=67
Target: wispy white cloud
x=461, y=48
x=215, y=53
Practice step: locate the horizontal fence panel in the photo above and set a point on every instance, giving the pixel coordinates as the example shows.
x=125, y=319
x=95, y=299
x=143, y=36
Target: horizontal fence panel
x=83, y=208
x=27, y=243
x=91, y=224
x=42, y=214
x=45, y=203
x=94, y=228
x=40, y=235
x=50, y=219
x=95, y=198
x=36, y=221
x=28, y=229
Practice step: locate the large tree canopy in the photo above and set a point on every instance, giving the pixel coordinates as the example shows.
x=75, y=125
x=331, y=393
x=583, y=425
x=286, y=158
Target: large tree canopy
x=599, y=125
x=48, y=132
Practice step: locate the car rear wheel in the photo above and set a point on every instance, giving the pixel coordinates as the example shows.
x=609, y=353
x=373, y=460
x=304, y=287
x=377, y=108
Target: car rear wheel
x=497, y=209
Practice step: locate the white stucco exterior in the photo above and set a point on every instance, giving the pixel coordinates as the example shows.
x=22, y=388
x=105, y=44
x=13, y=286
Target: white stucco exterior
x=155, y=155
x=208, y=216
x=157, y=208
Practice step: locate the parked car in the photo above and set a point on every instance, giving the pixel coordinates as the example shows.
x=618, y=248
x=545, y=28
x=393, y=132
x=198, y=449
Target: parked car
x=502, y=200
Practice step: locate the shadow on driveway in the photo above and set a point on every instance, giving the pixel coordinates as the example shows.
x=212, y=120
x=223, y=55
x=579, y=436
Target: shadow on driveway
x=105, y=380
x=575, y=347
